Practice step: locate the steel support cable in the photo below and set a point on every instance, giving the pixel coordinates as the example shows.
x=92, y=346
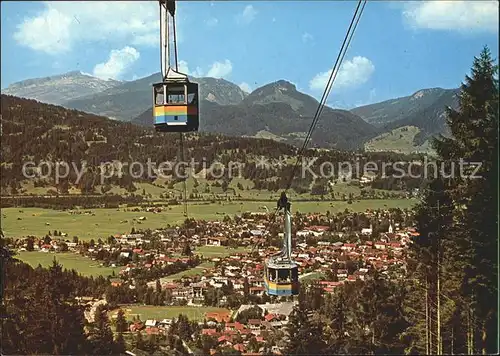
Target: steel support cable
x=181, y=135
x=343, y=50
x=175, y=44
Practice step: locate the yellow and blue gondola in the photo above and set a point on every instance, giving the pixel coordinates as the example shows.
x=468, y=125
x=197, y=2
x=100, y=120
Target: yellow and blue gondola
x=178, y=110
x=281, y=279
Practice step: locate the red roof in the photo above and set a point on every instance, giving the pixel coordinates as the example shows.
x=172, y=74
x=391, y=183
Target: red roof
x=169, y=286
x=319, y=228
x=330, y=283
x=208, y=332
x=239, y=326
x=222, y=316
x=152, y=330
x=270, y=317
x=224, y=338
x=254, y=321
x=239, y=347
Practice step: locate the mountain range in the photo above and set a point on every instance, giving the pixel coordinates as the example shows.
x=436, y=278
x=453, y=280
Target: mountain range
x=276, y=110
x=59, y=89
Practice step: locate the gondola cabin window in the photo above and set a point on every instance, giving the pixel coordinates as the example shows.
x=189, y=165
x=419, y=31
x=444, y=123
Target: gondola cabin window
x=283, y=275
x=159, y=95
x=176, y=94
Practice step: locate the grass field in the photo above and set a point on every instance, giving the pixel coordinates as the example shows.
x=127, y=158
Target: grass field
x=87, y=267
x=248, y=192
x=310, y=276
x=190, y=272
x=106, y=222
x=160, y=313
x=81, y=264
x=398, y=140
x=216, y=251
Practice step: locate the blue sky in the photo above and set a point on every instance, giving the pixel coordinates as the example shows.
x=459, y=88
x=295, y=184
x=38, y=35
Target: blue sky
x=398, y=47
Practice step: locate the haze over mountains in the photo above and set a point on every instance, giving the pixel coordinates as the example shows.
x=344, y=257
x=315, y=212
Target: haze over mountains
x=58, y=89
x=276, y=110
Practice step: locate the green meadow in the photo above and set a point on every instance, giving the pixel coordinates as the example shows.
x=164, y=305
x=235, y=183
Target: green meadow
x=19, y=222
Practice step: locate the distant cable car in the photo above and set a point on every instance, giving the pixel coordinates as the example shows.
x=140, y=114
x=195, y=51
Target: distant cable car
x=281, y=272
x=175, y=99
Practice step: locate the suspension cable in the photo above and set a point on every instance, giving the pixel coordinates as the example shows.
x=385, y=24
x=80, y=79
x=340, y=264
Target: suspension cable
x=345, y=45
x=181, y=135
x=184, y=178
x=343, y=50
x=175, y=44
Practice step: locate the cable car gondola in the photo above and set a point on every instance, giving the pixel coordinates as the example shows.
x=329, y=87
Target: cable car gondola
x=175, y=99
x=281, y=272
x=175, y=107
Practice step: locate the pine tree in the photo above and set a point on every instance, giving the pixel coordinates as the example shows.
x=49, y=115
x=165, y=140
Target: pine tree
x=139, y=341
x=120, y=344
x=40, y=313
x=305, y=334
x=101, y=335
x=121, y=322
x=468, y=240
x=186, y=251
x=474, y=131
x=334, y=307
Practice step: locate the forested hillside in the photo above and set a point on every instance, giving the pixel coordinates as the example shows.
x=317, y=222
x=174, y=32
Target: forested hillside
x=37, y=132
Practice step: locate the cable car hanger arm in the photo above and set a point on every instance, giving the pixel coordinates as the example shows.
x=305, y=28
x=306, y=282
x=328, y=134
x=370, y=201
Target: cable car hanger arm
x=170, y=5
x=169, y=72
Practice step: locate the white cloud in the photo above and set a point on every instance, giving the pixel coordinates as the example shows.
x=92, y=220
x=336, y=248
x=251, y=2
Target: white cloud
x=245, y=87
x=49, y=33
x=220, y=69
x=61, y=25
x=118, y=63
x=307, y=37
x=211, y=22
x=478, y=16
x=184, y=68
x=216, y=70
x=351, y=74
x=248, y=15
